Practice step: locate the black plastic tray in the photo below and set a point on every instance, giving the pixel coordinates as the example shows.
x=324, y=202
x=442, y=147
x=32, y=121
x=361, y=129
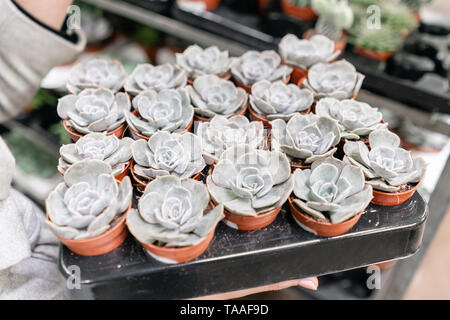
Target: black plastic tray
x=159, y=6
x=239, y=259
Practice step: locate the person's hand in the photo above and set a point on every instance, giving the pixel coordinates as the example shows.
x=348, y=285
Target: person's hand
x=50, y=12
x=308, y=283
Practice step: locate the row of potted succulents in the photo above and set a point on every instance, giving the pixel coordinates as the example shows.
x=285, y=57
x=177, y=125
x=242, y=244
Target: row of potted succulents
x=228, y=169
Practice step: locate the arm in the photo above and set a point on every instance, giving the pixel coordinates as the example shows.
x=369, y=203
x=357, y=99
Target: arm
x=31, y=45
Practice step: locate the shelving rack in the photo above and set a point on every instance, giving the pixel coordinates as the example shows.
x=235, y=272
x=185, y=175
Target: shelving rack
x=401, y=274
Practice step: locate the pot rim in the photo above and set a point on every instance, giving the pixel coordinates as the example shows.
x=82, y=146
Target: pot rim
x=397, y=193
x=79, y=135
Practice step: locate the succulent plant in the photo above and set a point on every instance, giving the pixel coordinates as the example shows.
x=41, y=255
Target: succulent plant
x=399, y=17
x=278, y=100
x=212, y=95
x=115, y=152
x=338, y=79
x=334, y=17
x=94, y=110
x=168, y=110
x=147, y=76
x=254, y=66
x=96, y=73
x=331, y=190
x=355, y=118
x=421, y=137
x=386, y=166
x=171, y=212
x=300, y=3
x=221, y=133
x=305, y=137
x=168, y=153
x=88, y=202
x=383, y=39
x=303, y=53
x=250, y=181
x=198, y=62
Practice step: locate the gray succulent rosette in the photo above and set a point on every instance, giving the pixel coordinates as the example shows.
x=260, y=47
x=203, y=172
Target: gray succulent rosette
x=254, y=66
x=167, y=110
x=212, y=96
x=174, y=213
x=168, y=154
x=356, y=119
x=386, y=166
x=115, y=152
x=422, y=137
x=96, y=73
x=221, y=133
x=94, y=110
x=146, y=76
x=198, y=62
x=303, y=53
x=338, y=80
x=250, y=181
x=331, y=190
x=305, y=137
x=88, y=202
x=278, y=100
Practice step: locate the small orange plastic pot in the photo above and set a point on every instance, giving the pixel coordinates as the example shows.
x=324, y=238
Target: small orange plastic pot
x=101, y=244
x=247, y=223
x=295, y=166
x=75, y=136
x=178, y=255
x=136, y=136
x=389, y=199
x=240, y=112
x=324, y=229
x=124, y=173
x=209, y=4
x=382, y=56
x=304, y=13
x=249, y=88
x=298, y=74
x=141, y=185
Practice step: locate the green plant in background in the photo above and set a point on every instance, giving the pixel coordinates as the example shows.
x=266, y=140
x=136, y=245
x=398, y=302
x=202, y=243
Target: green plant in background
x=60, y=133
x=146, y=36
x=399, y=17
x=30, y=158
x=380, y=40
x=334, y=17
x=301, y=3
x=43, y=98
x=416, y=5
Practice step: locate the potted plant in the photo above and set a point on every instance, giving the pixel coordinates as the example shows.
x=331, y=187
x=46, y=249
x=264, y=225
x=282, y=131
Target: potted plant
x=110, y=149
x=212, y=96
x=94, y=110
x=96, y=73
x=399, y=17
x=252, y=185
x=168, y=110
x=420, y=139
x=334, y=18
x=389, y=169
x=174, y=222
x=300, y=54
x=98, y=30
x=146, y=76
x=338, y=79
x=379, y=44
x=356, y=119
x=87, y=211
x=254, y=66
x=278, y=100
x=210, y=61
x=149, y=39
x=305, y=139
x=299, y=9
x=329, y=198
x=167, y=154
x=221, y=133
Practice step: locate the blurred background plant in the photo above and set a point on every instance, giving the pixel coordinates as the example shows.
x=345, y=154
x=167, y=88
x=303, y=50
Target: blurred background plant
x=334, y=17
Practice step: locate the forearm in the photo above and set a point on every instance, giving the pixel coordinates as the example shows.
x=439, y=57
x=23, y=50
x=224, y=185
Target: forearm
x=50, y=12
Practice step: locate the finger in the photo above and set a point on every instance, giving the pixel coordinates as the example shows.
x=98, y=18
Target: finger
x=309, y=283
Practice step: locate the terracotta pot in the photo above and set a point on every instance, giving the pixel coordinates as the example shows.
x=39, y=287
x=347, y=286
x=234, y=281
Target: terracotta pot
x=249, y=88
x=382, y=56
x=295, y=166
x=101, y=244
x=178, y=255
x=262, y=4
x=298, y=74
x=227, y=77
x=240, y=112
x=75, y=136
x=324, y=229
x=209, y=4
x=389, y=199
x=151, y=52
x=247, y=223
x=136, y=136
x=339, y=45
x=306, y=13
x=119, y=177
x=141, y=184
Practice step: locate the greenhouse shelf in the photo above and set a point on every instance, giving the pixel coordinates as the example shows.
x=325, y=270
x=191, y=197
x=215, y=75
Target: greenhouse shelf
x=240, y=259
